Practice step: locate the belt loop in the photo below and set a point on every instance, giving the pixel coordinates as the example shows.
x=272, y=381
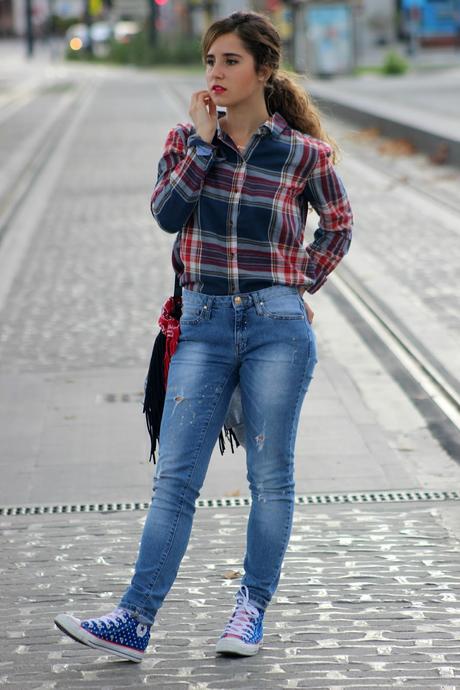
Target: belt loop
x=207, y=308
x=256, y=299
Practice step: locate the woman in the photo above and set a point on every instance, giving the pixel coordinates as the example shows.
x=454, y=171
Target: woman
x=236, y=189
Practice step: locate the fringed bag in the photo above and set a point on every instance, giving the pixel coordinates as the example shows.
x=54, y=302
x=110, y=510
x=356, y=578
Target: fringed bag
x=157, y=378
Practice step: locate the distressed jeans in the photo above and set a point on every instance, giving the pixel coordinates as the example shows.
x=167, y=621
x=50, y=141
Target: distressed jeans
x=264, y=342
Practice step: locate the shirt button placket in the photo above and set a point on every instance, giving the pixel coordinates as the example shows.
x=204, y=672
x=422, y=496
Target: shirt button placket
x=232, y=259
x=240, y=174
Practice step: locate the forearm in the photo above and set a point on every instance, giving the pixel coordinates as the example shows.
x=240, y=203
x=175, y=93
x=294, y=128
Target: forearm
x=177, y=191
x=325, y=253
x=326, y=194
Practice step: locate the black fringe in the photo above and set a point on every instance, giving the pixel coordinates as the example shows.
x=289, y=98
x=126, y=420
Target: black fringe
x=154, y=396
x=230, y=434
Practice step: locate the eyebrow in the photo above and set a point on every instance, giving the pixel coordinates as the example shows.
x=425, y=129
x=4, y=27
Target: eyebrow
x=225, y=55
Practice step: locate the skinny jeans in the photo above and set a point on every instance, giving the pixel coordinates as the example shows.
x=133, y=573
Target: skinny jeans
x=264, y=342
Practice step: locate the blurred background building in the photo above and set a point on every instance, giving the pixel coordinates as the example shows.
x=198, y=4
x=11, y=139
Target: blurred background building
x=330, y=37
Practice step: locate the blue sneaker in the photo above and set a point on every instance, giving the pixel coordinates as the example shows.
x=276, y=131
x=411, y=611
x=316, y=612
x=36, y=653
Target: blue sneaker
x=117, y=632
x=244, y=631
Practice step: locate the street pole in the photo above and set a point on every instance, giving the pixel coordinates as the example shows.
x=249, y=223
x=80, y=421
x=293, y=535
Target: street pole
x=29, y=29
x=299, y=36
x=152, y=17
x=208, y=6
x=88, y=21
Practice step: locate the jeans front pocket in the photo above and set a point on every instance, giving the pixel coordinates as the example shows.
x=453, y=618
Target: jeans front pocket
x=192, y=314
x=287, y=306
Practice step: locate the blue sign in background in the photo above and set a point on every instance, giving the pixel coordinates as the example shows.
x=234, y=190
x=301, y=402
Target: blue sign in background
x=330, y=38
x=436, y=17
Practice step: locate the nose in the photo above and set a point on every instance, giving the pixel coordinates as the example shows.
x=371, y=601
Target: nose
x=216, y=70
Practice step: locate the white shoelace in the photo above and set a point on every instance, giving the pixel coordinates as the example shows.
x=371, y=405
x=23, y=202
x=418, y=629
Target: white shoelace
x=115, y=618
x=244, y=616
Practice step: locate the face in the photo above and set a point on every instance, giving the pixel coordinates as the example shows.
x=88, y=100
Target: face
x=230, y=72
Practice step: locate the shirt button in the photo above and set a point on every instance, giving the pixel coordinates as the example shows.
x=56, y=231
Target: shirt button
x=237, y=300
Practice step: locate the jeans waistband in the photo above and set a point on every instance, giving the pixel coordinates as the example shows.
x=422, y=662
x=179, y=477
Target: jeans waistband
x=245, y=299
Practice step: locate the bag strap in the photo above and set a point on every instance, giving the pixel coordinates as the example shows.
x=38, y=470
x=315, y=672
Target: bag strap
x=177, y=287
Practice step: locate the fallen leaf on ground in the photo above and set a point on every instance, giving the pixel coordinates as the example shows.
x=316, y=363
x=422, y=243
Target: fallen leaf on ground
x=397, y=147
x=440, y=156
x=231, y=574
x=365, y=134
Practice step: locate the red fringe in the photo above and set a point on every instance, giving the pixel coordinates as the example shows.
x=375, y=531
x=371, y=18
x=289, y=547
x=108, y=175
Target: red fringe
x=170, y=327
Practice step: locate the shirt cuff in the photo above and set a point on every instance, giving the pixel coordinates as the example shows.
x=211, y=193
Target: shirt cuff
x=203, y=148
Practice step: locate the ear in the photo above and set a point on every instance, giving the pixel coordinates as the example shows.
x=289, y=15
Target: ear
x=264, y=73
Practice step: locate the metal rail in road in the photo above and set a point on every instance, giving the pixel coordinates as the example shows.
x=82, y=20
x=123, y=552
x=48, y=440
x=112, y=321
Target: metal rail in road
x=418, y=373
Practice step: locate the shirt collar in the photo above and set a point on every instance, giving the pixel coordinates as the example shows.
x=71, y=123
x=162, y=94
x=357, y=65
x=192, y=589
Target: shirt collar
x=274, y=125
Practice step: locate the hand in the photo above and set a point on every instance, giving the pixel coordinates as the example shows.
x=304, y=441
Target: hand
x=203, y=112
x=310, y=312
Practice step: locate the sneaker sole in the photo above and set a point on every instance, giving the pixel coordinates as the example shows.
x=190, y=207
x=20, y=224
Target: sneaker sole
x=231, y=645
x=71, y=627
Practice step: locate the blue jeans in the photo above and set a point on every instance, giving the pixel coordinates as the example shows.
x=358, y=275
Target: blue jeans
x=262, y=341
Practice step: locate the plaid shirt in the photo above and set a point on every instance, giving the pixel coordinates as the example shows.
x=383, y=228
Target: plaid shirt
x=240, y=217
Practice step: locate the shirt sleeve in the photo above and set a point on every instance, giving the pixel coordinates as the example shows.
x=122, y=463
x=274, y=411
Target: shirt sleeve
x=326, y=193
x=182, y=170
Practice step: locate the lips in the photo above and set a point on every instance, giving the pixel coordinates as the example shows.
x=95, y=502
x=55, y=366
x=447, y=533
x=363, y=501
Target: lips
x=218, y=89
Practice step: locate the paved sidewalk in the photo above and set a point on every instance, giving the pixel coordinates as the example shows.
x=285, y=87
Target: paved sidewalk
x=369, y=598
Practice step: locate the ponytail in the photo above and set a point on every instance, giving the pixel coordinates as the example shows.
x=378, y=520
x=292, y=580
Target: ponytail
x=289, y=99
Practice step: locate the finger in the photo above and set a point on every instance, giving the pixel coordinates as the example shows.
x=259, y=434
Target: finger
x=196, y=97
x=200, y=95
x=212, y=107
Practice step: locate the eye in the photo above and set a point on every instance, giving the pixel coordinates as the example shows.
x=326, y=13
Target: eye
x=209, y=61
x=230, y=61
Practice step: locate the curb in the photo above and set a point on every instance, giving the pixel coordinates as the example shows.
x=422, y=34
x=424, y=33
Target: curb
x=446, y=147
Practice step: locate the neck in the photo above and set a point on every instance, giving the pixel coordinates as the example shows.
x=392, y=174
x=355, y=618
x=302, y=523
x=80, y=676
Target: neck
x=243, y=119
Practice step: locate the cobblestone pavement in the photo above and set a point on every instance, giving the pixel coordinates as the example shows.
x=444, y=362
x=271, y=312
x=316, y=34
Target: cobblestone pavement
x=92, y=289
x=368, y=599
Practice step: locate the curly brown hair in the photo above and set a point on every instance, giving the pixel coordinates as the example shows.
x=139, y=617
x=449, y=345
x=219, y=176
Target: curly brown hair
x=282, y=93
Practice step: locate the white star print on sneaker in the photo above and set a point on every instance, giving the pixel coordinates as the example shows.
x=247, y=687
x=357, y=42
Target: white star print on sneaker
x=117, y=632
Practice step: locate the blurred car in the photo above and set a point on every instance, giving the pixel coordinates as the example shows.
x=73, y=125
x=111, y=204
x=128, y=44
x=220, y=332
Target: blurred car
x=124, y=31
x=78, y=38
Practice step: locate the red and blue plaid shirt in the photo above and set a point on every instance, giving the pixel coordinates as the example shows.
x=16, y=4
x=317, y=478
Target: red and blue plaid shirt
x=240, y=216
